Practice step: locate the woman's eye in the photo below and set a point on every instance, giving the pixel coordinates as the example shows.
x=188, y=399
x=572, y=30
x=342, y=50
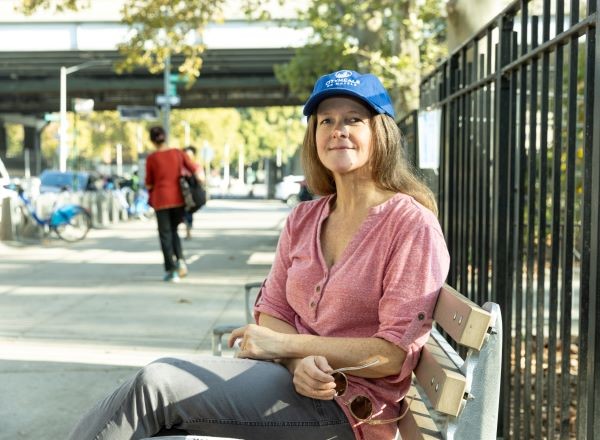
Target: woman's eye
x=325, y=121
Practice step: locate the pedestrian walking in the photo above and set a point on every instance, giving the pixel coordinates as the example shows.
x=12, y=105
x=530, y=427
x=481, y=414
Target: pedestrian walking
x=163, y=169
x=342, y=316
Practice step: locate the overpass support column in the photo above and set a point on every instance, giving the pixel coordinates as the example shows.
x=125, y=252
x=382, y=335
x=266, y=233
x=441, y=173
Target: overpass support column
x=31, y=151
x=3, y=141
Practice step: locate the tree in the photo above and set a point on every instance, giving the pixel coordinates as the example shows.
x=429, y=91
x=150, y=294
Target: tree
x=266, y=130
x=397, y=40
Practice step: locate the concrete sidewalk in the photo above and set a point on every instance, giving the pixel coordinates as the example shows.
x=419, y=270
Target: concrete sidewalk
x=75, y=320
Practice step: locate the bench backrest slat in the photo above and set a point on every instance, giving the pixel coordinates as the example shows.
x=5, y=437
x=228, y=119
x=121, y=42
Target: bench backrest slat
x=463, y=320
x=418, y=424
x=441, y=380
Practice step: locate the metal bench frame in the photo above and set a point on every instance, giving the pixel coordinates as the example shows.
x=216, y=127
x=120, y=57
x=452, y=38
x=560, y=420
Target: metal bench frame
x=220, y=330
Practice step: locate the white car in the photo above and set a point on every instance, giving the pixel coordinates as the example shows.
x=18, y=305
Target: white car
x=288, y=189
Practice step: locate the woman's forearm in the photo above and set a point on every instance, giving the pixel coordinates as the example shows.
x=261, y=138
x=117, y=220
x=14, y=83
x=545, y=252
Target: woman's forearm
x=340, y=352
x=345, y=352
x=276, y=324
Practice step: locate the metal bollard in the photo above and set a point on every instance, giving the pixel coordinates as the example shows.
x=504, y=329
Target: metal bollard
x=102, y=209
x=6, y=228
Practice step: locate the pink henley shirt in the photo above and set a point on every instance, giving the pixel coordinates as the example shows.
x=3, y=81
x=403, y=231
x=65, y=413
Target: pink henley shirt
x=385, y=285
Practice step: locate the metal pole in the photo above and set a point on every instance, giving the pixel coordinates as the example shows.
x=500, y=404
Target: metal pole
x=119, y=158
x=62, y=148
x=241, y=164
x=186, y=133
x=27, y=163
x=64, y=71
x=167, y=106
x=501, y=287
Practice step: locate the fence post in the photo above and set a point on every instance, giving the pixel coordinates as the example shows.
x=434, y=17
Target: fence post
x=450, y=169
x=589, y=425
x=501, y=288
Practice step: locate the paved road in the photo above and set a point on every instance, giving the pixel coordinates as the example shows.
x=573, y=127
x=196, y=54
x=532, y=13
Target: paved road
x=75, y=320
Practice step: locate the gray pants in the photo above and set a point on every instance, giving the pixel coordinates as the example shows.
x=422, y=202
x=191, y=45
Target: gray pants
x=213, y=396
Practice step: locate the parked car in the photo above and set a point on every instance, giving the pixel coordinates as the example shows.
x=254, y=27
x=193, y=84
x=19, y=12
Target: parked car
x=292, y=190
x=55, y=181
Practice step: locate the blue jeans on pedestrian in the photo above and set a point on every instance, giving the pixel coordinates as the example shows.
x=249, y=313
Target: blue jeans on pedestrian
x=188, y=219
x=213, y=396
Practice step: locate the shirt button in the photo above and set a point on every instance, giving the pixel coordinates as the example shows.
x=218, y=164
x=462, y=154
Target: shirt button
x=312, y=303
x=318, y=288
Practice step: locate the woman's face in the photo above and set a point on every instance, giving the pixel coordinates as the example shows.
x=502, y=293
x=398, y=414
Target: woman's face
x=343, y=135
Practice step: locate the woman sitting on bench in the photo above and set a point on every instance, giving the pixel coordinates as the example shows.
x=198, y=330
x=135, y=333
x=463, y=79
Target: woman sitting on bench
x=354, y=284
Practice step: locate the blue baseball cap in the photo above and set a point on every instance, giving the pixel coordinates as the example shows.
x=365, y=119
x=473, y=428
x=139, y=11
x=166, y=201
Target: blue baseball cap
x=365, y=87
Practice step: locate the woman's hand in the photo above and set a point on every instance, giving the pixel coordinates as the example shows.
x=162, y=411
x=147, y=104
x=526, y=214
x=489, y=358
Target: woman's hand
x=258, y=342
x=311, y=378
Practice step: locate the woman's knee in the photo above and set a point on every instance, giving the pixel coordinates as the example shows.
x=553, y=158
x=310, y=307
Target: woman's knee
x=158, y=375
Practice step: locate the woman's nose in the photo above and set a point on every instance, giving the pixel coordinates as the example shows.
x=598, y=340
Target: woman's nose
x=340, y=130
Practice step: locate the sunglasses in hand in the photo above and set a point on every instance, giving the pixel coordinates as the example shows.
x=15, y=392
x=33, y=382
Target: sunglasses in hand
x=360, y=406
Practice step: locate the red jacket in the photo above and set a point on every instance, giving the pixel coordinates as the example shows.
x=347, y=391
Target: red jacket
x=163, y=169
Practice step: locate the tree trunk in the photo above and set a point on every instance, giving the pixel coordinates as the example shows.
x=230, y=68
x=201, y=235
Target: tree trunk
x=466, y=17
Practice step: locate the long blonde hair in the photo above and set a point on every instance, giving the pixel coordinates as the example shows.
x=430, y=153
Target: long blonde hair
x=390, y=169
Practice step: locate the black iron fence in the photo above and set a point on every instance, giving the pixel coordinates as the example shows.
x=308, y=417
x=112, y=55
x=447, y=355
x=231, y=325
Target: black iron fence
x=519, y=196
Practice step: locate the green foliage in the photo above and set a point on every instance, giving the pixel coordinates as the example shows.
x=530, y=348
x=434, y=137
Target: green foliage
x=161, y=28
x=309, y=63
x=28, y=7
x=260, y=132
x=15, y=136
x=397, y=40
x=265, y=130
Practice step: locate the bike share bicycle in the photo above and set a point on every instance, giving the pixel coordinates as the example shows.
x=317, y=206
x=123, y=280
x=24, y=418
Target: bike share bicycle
x=70, y=222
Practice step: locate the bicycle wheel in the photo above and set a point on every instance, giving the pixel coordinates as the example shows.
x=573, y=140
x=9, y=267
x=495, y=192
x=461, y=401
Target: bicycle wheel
x=76, y=228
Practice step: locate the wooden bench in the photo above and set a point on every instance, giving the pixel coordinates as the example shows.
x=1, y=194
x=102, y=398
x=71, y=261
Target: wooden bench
x=455, y=397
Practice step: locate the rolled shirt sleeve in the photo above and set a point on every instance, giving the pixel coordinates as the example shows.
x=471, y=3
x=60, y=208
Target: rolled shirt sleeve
x=417, y=271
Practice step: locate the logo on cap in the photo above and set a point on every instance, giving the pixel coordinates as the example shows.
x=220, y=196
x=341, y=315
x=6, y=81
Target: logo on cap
x=342, y=79
x=343, y=74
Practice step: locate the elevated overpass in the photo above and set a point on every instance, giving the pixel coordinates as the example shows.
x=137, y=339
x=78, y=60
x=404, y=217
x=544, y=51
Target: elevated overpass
x=237, y=69
x=30, y=81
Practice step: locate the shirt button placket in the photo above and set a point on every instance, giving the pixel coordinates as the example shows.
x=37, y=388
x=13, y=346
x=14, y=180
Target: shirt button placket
x=313, y=302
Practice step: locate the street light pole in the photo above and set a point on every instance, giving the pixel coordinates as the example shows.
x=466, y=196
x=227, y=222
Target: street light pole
x=63, y=148
x=167, y=106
